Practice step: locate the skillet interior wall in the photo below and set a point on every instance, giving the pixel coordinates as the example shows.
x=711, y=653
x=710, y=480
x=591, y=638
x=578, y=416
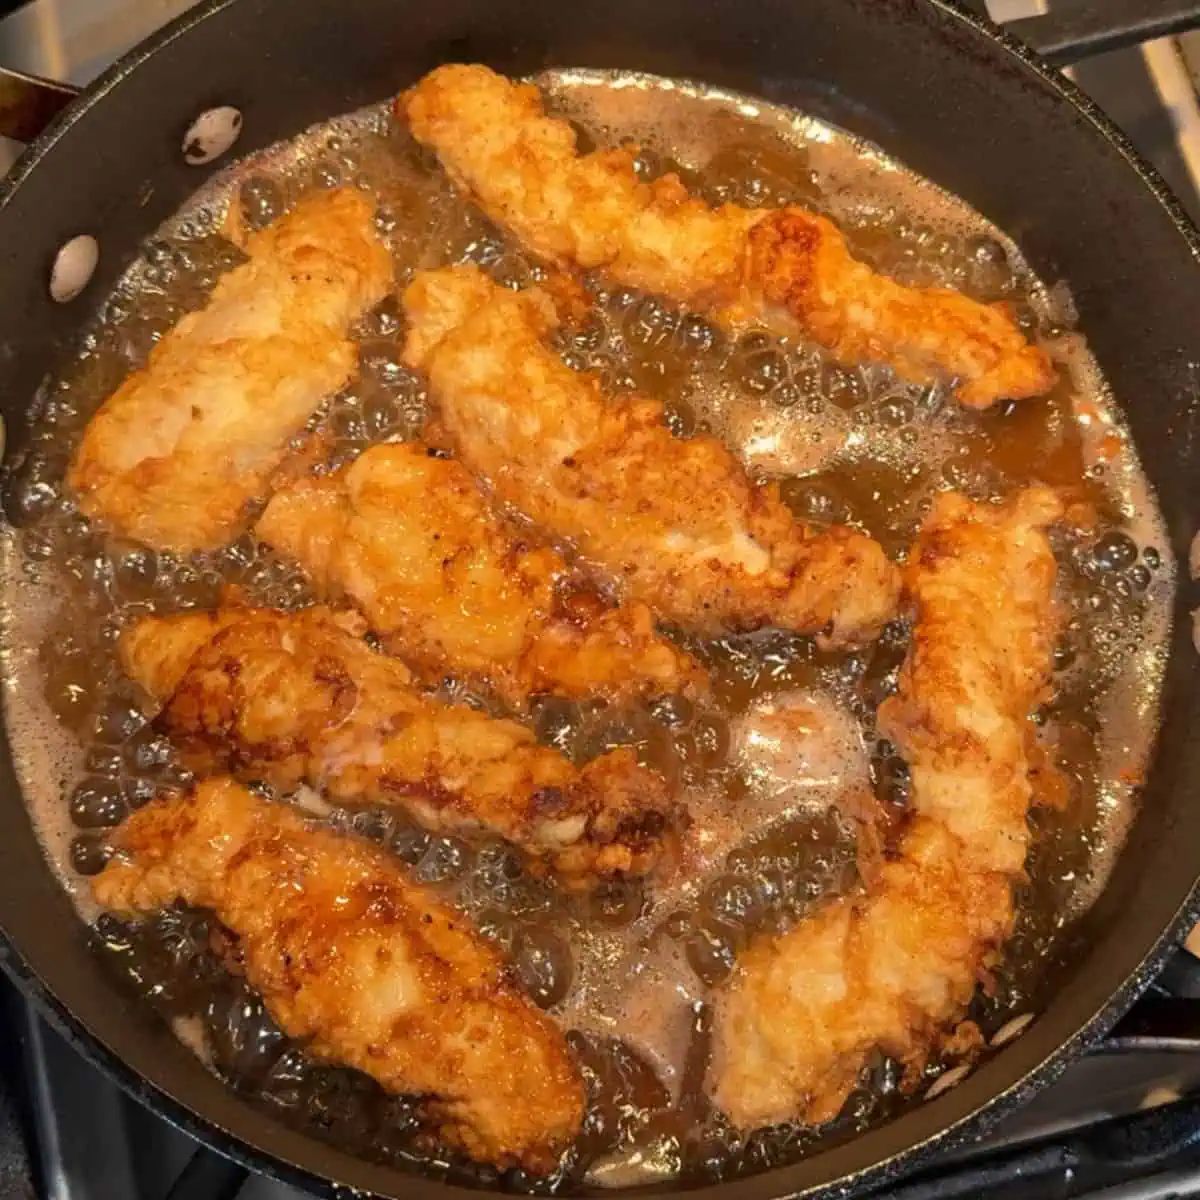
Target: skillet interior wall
x=904, y=73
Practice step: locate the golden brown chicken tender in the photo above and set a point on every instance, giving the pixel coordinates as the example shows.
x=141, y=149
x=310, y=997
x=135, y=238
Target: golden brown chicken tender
x=788, y=268
x=451, y=588
x=173, y=456
x=674, y=523
x=370, y=970
x=295, y=698
x=894, y=968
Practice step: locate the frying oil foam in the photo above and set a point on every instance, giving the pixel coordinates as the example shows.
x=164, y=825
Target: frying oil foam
x=639, y=980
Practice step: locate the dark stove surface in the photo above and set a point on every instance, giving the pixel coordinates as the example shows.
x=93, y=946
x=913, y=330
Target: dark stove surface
x=1122, y=1124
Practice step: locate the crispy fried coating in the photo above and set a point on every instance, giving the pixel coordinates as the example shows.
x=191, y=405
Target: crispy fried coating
x=371, y=970
x=172, y=457
x=675, y=524
x=982, y=580
x=894, y=968
x=451, y=588
x=295, y=698
x=787, y=268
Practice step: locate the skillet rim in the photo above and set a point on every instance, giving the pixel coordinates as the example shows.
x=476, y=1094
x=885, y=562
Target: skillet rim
x=971, y=1120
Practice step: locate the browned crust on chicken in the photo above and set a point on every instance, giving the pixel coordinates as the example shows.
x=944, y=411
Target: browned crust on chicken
x=674, y=523
x=294, y=698
x=370, y=970
x=787, y=268
x=173, y=456
x=453, y=589
x=799, y=263
x=895, y=968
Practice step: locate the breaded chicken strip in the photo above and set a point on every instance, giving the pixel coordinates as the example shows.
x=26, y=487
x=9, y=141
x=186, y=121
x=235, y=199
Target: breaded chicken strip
x=894, y=968
x=787, y=268
x=172, y=457
x=370, y=970
x=294, y=698
x=676, y=524
x=451, y=588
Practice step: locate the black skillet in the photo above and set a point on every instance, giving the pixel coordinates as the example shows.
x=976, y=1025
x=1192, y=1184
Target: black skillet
x=943, y=91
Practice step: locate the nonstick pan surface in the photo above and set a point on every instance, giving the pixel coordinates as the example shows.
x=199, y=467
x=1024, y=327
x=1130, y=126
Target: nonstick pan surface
x=933, y=86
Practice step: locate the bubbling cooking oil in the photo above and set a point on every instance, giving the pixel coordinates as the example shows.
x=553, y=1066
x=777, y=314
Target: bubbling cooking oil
x=765, y=767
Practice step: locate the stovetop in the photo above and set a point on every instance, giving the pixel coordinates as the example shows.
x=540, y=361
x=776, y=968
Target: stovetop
x=1122, y=1123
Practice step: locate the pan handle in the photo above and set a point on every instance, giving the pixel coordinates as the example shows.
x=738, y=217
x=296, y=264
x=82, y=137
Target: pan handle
x=28, y=103
x=1078, y=29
